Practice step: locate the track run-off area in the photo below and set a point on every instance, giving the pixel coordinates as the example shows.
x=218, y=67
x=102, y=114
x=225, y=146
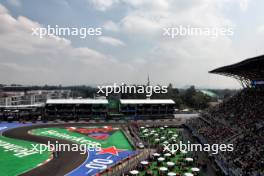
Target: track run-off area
x=114, y=148
x=18, y=156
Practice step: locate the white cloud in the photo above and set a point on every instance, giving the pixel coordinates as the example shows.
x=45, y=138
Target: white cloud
x=261, y=29
x=136, y=24
x=111, y=41
x=244, y=4
x=103, y=5
x=111, y=26
x=184, y=60
x=27, y=59
x=149, y=4
x=3, y=10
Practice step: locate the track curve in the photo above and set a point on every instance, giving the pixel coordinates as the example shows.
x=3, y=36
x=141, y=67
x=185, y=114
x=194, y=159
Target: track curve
x=67, y=160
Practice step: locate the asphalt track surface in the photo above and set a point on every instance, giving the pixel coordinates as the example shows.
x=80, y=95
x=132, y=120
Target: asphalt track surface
x=67, y=160
x=63, y=164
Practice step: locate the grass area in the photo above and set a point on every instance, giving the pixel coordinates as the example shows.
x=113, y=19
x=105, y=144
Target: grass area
x=12, y=162
x=117, y=138
x=156, y=137
x=180, y=167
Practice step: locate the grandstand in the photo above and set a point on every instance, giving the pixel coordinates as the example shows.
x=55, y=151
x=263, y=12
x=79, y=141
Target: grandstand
x=148, y=108
x=102, y=109
x=75, y=108
x=238, y=120
x=19, y=112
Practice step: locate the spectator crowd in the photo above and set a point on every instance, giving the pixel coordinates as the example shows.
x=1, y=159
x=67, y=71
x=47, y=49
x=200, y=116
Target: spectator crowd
x=238, y=120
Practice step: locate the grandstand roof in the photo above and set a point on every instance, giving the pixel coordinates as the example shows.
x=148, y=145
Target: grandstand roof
x=24, y=106
x=208, y=93
x=77, y=101
x=147, y=101
x=251, y=69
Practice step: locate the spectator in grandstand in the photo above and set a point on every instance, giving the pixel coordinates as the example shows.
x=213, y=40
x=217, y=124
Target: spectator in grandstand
x=238, y=120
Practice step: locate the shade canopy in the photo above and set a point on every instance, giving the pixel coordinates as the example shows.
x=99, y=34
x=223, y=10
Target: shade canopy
x=250, y=69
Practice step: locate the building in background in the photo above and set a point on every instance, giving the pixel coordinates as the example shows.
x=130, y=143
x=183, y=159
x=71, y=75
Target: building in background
x=31, y=97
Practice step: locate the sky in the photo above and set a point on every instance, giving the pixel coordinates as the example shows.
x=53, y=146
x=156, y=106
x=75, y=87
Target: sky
x=132, y=44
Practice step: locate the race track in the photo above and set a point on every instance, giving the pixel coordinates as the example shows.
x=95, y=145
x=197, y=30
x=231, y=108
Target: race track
x=67, y=160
